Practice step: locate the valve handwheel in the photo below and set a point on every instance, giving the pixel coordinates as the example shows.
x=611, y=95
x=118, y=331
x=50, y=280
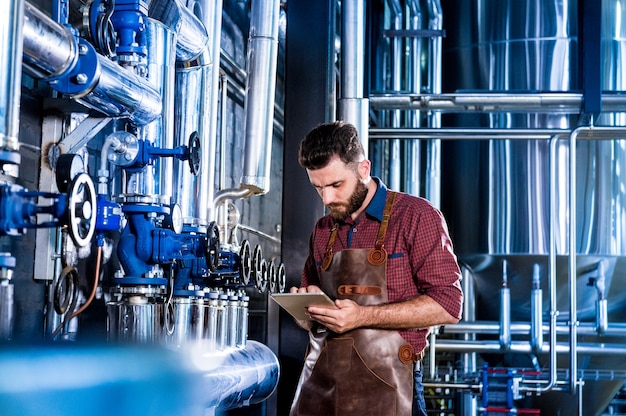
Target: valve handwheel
x=212, y=246
x=82, y=209
x=246, y=262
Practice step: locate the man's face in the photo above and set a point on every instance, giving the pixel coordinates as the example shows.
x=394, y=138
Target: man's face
x=340, y=186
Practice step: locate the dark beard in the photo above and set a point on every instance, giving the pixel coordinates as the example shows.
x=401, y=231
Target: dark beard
x=354, y=203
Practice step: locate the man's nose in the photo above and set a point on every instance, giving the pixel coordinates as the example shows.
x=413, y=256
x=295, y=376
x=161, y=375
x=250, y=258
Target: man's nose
x=328, y=196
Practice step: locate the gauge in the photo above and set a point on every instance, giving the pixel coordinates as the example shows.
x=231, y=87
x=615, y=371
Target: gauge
x=68, y=167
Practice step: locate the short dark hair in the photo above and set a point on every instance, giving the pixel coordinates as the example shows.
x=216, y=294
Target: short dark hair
x=327, y=140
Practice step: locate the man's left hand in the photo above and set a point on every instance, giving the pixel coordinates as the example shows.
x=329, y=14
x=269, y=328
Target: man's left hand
x=347, y=316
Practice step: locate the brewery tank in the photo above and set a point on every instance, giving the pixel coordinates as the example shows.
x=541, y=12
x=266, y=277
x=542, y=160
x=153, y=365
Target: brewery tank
x=496, y=193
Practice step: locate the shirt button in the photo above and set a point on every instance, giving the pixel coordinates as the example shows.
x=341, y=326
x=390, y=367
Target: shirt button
x=354, y=230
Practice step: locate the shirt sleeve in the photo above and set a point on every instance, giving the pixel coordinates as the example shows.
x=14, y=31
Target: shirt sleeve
x=436, y=270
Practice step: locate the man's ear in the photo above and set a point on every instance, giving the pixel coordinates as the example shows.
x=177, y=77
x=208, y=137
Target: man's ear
x=364, y=169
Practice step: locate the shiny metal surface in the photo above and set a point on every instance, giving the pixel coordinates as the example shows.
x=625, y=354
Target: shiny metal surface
x=49, y=48
x=191, y=34
x=6, y=311
x=260, y=91
x=136, y=319
x=11, y=21
x=235, y=377
x=187, y=318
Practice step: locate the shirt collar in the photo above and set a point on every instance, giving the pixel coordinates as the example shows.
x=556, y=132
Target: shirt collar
x=376, y=206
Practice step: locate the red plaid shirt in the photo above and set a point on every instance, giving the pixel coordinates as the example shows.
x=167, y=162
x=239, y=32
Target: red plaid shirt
x=421, y=259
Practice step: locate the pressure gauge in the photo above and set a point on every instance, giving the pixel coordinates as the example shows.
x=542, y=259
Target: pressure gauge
x=68, y=167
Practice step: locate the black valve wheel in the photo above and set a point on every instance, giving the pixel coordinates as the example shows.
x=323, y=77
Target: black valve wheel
x=212, y=246
x=261, y=276
x=281, y=278
x=195, y=154
x=271, y=276
x=82, y=209
x=246, y=262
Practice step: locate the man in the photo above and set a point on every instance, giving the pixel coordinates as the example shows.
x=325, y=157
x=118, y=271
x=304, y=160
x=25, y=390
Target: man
x=387, y=260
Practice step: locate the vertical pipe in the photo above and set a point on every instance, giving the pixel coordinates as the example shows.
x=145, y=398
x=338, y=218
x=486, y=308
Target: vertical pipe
x=469, y=358
x=160, y=42
x=505, y=309
x=602, y=318
x=353, y=106
x=536, y=310
x=396, y=86
x=573, y=297
x=433, y=183
x=11, y=22
x=212, y=19
x=260, y=90
x=413, y=165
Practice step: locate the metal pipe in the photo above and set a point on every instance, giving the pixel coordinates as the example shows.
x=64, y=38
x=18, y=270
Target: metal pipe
x=396, y=85
x=433, y=155
x=353, y=106
x=488, y=346
x=602, y=318
x=536, y=311
x=414, y=75
x=192, y=38
x=571, y=272
x=160, y=42
x=260, y=87
x=467, y=134
x=11, y=21
x=51, y=52
x=505, y=308
x=546, y=102
x=586, y=329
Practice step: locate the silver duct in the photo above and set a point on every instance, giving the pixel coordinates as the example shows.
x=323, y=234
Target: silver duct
x=196, y=116
x=191, y=34
x=160, y=42
x=11, y=21
x=353, y=107
x=50, y=51
x=260, y=88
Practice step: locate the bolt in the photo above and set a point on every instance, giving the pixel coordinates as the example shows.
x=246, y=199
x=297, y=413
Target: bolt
x=82, y=49
x=81, y=78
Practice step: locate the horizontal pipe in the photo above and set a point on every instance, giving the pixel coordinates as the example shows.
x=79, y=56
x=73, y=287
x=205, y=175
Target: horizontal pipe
x=524, y=328
x=51, y=52
x=521, y=347
x=564, y=103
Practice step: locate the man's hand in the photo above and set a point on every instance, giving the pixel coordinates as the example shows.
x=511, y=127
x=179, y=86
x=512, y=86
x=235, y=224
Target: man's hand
x=307, y=325
x=347, y=316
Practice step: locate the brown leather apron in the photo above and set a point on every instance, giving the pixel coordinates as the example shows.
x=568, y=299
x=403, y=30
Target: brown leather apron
x=364, y=371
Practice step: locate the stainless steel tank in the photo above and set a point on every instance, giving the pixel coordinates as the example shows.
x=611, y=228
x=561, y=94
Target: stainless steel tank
x=497, y=193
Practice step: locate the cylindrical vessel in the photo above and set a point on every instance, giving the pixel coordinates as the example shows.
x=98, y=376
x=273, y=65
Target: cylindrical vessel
x=242, y=320
x=211, y=308
x=188, y=320
x=136, y=319
x=222, y=322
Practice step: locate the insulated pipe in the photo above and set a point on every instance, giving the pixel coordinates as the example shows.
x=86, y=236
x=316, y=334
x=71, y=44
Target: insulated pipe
x=192, y=38
x=160, y=42
x=196, y=114
x=52, y=53
x=353, y=107
x=260, y=89
x=11, y=21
